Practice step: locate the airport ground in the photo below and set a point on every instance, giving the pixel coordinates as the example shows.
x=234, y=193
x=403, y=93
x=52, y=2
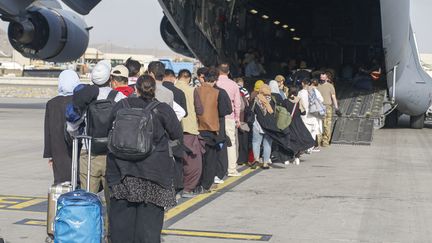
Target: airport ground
x=377, y=193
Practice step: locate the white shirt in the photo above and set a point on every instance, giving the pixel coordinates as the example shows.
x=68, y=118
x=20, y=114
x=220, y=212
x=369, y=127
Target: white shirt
x=180, y=112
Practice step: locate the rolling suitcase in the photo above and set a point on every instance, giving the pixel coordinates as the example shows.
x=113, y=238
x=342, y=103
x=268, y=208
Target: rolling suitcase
x=79, y=216
x=54, y=192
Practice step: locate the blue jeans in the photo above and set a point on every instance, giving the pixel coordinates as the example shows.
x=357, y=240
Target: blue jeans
x=259, y=139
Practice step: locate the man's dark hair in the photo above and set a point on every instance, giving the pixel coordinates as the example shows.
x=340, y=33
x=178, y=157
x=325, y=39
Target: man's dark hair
x=293, y=91
x=184, y=73
x=212, y=75
x=224, y=67
x=158, y=69
x=169, y=73
x=133, y=66
x=306, y=81
x=202, y=71
x=120, y=79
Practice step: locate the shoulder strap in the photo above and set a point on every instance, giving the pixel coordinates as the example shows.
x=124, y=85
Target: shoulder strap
x=125, y=103
x=152, y=105
x=293, y=110
x=112, y=95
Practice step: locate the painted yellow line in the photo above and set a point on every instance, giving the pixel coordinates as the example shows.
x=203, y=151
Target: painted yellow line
x=27, y=203
x=20, y=211
x=36, y=222
x=236, y=236
x=191, y=202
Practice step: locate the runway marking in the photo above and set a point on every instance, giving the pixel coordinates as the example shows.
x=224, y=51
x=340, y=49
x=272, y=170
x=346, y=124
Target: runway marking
x=197, y=199
x=217, y=235
x=182, y=232
x=27, y=204
x=20, y=203
x=173, y=215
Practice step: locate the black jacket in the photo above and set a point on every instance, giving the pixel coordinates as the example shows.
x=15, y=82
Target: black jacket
x=55, y=146
x=179, y=96
x=269, y=125
x=159, y=166
x=300, y=138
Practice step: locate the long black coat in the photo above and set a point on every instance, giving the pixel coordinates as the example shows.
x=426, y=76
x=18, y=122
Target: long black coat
x=268, y=124
x=55, y=146
x=300, y=138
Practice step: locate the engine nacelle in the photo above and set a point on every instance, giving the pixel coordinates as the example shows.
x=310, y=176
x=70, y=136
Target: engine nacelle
x=53, y=35
x=172, y=39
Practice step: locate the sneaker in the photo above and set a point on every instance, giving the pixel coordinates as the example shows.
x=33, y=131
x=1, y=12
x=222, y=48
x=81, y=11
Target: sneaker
x=200, y=190
x=316, y=149
x=234, y=174
x=254, y=165
x=296, y=161
x=309, y=151
x=286, y=162
x=265, y=166
x=187, y=194
x=218, y=181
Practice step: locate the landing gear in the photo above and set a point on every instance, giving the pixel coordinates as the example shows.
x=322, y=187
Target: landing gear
x=417, y=122
x=391, y=120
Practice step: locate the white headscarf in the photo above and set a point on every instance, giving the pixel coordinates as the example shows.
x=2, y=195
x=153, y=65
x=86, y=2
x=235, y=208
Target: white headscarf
x=101, y=72
x=274, y=87
x=67, y=82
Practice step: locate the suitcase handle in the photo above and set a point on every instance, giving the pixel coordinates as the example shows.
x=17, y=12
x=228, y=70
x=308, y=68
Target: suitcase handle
x=75, y=155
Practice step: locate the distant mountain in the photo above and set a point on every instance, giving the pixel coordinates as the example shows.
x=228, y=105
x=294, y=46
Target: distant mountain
x=111, y=48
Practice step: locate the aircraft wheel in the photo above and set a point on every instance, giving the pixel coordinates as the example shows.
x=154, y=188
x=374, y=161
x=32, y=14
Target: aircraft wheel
x=417, y=122
x=391, y=120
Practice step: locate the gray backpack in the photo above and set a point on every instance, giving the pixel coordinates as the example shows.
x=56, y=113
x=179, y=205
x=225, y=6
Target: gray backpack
x=131, y=137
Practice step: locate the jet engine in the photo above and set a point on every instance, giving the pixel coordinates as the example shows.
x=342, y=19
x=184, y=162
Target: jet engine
x=172, y=39
x=53, y=35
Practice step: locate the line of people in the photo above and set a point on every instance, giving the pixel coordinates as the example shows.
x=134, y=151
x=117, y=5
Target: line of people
x=200, y=132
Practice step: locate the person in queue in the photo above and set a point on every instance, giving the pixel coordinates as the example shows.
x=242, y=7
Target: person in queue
x=55, y=147
x=300, y=138
x=141, y=190
x=263, y=107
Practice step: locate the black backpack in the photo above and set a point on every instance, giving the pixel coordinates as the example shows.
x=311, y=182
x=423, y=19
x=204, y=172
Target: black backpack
x=98, y=114
x=131, y=137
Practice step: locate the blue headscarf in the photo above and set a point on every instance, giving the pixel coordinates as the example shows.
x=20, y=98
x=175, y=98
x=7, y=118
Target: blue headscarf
x=67, y=82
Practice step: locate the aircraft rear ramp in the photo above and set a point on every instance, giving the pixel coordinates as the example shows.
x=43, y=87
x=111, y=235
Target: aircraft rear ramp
x=362, y=112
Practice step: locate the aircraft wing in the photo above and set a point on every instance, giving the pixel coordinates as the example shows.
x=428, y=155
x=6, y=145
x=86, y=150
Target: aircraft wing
x=82, y=7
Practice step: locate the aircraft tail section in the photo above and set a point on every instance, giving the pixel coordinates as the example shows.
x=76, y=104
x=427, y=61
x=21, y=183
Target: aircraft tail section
x=409, y=85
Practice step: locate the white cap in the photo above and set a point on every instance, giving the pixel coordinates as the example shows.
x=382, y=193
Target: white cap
x=101, y=72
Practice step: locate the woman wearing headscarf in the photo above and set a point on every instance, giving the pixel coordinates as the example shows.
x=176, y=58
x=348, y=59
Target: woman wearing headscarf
x=55, y=146
x=263, y=108
x=256, y=89
x=300, y=138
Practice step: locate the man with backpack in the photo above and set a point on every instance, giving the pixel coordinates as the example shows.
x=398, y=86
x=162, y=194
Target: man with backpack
x=97, y=125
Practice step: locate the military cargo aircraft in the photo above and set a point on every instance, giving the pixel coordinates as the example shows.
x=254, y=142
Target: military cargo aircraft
x=334, y=32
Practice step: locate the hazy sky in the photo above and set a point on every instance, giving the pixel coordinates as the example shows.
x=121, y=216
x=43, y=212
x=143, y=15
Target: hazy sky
x=133, y=23
x=421, y=19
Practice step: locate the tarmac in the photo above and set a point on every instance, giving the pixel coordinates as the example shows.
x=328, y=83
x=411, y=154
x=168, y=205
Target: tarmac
x=377, y=193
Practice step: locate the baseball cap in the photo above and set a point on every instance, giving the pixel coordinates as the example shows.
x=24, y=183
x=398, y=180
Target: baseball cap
x=121, y=71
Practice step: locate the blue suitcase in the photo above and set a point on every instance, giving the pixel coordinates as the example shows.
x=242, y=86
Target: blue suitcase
x=79, y=217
